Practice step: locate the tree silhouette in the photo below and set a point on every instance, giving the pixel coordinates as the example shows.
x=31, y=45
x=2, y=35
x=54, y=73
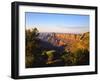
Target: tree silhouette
x=31, y=46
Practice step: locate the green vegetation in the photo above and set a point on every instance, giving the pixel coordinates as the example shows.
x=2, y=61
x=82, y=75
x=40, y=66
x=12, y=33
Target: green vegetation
x=80, y=57
x=31, y=46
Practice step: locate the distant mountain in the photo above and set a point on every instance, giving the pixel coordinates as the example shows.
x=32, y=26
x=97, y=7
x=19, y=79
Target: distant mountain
x=67, y=40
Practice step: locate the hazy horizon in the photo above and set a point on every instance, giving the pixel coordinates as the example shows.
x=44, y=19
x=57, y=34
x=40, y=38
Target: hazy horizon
x=60, y=23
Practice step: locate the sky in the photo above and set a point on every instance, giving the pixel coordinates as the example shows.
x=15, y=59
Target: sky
x=61, y=23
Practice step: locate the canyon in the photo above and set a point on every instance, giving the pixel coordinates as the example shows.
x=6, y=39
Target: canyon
x=68, y=40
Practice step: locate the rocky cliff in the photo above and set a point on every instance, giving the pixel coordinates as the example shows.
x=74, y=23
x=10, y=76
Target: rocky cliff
x=69, y=41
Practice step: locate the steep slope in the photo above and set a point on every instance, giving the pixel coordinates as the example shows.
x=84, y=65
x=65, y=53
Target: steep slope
x=71, y=42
